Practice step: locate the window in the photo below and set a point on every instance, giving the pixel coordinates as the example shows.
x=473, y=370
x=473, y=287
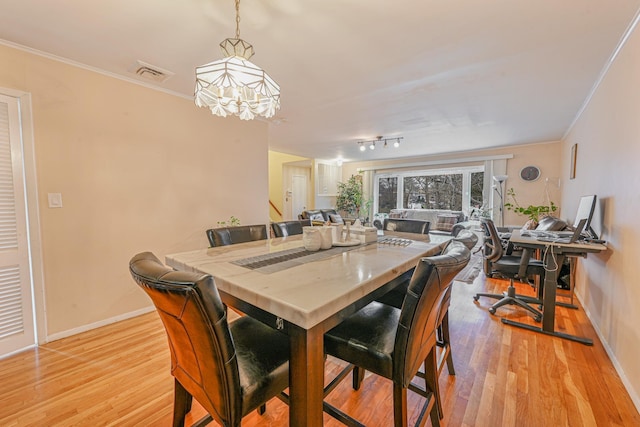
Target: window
x=387, y=194
x=450, y=189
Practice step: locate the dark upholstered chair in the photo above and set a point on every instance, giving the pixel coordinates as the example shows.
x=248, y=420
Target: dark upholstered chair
x=395, y=343
x=231, y=235
x=551, y=223
x=508, y=266
x=289, y=228
x=406, y=225
x=467, y=238
x=230, y=369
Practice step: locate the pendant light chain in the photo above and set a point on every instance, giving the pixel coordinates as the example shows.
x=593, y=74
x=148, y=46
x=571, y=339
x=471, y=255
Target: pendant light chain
x=237, y=19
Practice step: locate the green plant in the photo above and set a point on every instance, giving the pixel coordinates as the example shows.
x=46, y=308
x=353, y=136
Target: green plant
x=350, y=195
x=533, y=212
x=233, y=222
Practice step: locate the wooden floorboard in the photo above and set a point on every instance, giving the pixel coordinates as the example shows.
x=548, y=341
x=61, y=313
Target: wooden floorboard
x=118, y=375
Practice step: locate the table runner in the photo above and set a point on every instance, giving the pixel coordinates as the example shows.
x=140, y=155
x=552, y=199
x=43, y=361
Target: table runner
x=282, y=260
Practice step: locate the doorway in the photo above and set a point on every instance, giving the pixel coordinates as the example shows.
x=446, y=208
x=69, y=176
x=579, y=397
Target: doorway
x=17, y=218
x=296, y=182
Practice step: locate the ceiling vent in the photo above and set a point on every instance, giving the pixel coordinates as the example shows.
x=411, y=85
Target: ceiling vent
x=150, y=72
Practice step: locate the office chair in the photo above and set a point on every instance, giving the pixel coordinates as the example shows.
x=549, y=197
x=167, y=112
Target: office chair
x=289, y=228
x=230, y=369
x=395, y=343
x=224, y=236
x=508, y=266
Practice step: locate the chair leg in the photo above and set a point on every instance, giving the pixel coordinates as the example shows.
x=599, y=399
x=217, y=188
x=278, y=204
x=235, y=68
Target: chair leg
x=181, y=404
x=510, y=297
x=432, y=384
x=358, y=376
x=446, y=340
x=262, y=409
x=399, y=406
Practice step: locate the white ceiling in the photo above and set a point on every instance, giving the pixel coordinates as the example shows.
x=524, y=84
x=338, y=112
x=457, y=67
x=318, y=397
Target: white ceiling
x=447, y=75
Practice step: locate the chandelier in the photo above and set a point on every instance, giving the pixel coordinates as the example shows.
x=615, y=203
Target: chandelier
x=381, y=141
x=234, y=85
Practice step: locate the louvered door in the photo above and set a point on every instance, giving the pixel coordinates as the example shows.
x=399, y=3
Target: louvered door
x=16, y=307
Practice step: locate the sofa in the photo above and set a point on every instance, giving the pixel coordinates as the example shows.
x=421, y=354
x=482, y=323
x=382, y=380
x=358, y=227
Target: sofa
x=320, y=216
x=442, y=221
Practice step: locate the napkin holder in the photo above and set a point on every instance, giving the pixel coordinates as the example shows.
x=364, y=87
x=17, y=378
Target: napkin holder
x=365, y=234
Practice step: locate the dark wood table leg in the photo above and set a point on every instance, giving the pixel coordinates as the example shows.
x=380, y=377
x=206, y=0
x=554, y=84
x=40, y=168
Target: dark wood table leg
x=549, y=301
x=550, y=288
x=306, y=376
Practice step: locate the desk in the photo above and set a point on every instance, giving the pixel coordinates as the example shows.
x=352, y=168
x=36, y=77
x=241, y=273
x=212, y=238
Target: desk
x=557, y=252
x=306, y=300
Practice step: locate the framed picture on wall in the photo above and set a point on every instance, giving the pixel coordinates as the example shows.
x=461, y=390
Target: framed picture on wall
x=574, y=156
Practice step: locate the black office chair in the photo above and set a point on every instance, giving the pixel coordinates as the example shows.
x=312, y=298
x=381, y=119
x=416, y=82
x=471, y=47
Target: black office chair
x=406, y=225
x=289, y=228
x=394, y=343
x=230, y=369
x=508, y=266
x=224, y=236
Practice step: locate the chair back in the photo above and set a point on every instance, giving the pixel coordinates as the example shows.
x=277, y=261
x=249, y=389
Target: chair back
x=289, y=228
x=225, y=236
x=493, y=249
x=551, y=223
x=407, y=225
x=467, y=238
x=203, y=357
x=420, y=313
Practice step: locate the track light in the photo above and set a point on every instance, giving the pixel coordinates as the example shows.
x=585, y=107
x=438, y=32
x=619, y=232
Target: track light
x=381, y=140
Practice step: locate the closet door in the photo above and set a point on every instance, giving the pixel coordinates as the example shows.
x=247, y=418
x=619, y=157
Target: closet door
x=16, y=302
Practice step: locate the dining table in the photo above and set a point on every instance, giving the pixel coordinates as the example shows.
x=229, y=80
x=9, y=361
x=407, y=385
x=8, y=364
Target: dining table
x=304, y=293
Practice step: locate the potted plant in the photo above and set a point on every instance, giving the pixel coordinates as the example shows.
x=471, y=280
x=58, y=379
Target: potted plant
x=533, y=212
x=350, y=197
x=233, y=222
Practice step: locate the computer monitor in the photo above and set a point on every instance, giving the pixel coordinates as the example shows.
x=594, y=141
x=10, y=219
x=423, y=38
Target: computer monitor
x=585, y=211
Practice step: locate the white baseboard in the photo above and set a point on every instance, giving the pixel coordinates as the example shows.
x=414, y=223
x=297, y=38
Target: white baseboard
x=85, y=328
x=625, y=381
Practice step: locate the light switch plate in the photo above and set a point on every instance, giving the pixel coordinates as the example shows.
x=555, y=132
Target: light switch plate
x=55, y=200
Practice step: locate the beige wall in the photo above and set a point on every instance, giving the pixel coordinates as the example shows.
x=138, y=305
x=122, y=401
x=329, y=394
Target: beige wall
x=138, y=170
x=547, y=156
x=608, y=138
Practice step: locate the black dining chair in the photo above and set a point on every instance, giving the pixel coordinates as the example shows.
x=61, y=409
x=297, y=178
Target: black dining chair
x=395, y=342
x=229, y=368
x=289, y=228
x=406, y=225
x=224, y=236
x=467, y=238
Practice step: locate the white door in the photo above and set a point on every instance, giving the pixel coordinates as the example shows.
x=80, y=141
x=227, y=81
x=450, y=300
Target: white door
x=16, y=303
x=298, y=195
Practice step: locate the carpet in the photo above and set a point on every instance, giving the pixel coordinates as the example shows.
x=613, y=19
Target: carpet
x=471, y=271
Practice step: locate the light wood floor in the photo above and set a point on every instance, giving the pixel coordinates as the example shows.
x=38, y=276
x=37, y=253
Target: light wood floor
x=118, y=375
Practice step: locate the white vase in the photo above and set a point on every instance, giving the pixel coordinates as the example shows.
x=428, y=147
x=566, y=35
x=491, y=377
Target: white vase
x=326, y=237
x=311, y=238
